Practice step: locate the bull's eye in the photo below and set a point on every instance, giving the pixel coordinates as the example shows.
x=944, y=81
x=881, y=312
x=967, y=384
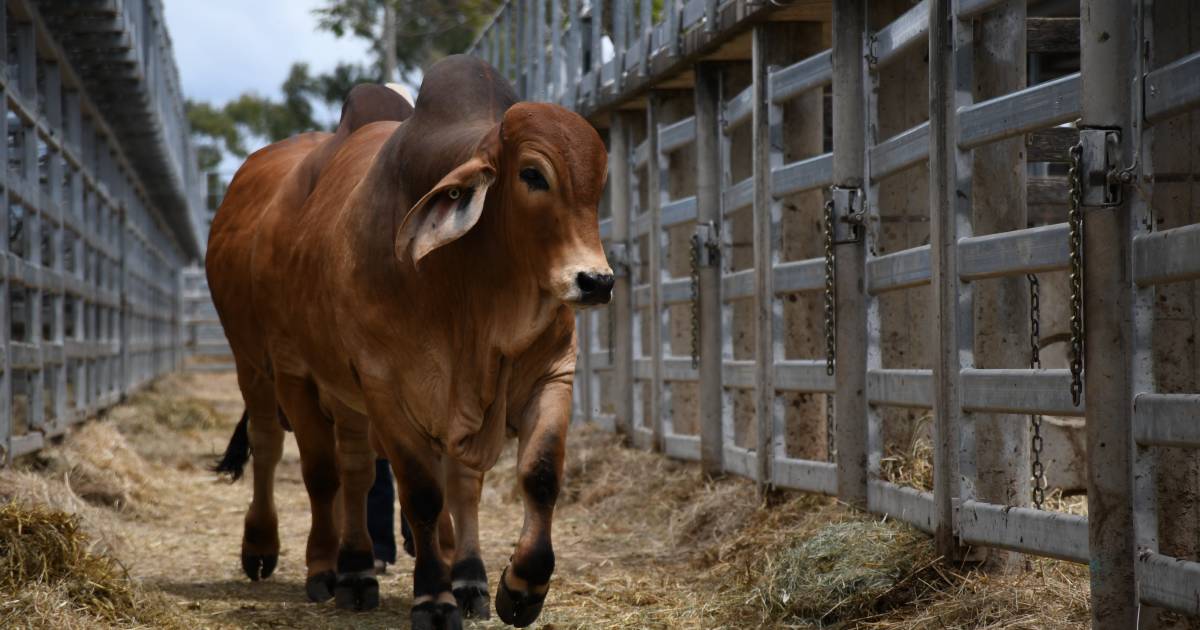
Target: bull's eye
x=534, y=179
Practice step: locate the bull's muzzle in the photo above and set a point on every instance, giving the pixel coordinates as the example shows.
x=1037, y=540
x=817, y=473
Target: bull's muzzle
x=594, y=288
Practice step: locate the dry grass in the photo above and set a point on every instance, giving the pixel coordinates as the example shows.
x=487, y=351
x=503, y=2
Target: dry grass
x=642, y=541
x=848, y=571
x=49, y=579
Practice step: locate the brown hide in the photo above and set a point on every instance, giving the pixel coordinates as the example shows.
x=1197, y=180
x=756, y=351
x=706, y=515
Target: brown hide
x=277, y=178
x=443, y=355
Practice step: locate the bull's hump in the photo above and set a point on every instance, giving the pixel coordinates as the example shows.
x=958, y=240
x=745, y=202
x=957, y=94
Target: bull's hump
x=462, y=87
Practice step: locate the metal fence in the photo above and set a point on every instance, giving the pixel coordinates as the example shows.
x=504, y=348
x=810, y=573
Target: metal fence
x=98, y=231
x=754, y=203
x=205, y=346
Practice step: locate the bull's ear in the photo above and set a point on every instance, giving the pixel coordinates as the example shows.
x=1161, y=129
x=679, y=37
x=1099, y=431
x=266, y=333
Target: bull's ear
x=447, y=211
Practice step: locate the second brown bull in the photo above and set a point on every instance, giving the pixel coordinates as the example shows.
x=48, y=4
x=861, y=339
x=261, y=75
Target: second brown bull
x=419, y=297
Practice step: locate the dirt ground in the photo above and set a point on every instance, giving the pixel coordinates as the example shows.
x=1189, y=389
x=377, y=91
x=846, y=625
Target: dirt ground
x=642, y=542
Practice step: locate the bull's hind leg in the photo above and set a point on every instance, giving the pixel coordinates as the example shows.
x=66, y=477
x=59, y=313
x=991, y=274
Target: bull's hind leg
x=526, y=580
x=468, y=577
x=260, y=534
x=318, y=465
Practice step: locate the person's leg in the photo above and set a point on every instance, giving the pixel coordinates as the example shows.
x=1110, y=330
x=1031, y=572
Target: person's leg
x=381, y=507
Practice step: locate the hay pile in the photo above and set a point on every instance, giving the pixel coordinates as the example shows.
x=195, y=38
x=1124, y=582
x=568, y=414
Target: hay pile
x=848, y=571
x=98, y=465
x=49, y=579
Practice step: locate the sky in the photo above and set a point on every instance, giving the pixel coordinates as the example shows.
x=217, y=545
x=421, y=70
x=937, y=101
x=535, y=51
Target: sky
x=227, y=47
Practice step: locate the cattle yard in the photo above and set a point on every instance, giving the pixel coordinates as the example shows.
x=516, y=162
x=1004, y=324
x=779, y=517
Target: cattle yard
x=856, y=240
x=868, y=254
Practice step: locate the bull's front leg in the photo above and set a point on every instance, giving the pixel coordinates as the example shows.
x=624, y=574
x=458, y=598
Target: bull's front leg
x=418, y=471
x=468, y=577
x=543, y=434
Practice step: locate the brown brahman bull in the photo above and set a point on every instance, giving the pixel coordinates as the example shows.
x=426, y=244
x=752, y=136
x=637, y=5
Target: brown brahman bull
x=420, y=298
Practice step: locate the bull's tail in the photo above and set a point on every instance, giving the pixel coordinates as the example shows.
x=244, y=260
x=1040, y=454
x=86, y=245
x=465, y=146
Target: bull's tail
x=233, y=462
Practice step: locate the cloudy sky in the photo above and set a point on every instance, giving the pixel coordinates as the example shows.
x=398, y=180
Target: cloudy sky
x=226, y=47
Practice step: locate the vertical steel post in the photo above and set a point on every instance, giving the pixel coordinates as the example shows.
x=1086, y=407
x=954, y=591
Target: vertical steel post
x=521, y=69
x=622, y=302
x=1107, y=53
x=646, y=34
x=1145, y=463
x=997, y=202
x=574, y=70
x=655, y=173
x=620, y=41
x=943, y=185
x=6, y=384
x=707, y=96
x=850, y=369
x=764, y=286
x=556, y=84
x=539, y=50
x=597, y=44
x=510, y=41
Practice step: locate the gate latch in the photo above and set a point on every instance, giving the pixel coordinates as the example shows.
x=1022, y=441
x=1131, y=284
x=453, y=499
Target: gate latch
x=707, y=246
x=848, y=215
x=618, y=259
x=1099, y=164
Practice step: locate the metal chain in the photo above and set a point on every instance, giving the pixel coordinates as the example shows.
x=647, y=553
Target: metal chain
x=1035, y=362
x=695, y=282
x=1075, y=230
x=830, y=296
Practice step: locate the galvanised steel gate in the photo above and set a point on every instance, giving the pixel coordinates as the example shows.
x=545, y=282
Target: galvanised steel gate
x=737, y=211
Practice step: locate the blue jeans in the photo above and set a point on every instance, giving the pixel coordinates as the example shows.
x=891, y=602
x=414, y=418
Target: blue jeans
x=381, y=510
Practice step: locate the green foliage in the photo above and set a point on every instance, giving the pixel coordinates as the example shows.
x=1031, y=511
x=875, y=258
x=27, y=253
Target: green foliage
x=424, y=31
x=332, y=87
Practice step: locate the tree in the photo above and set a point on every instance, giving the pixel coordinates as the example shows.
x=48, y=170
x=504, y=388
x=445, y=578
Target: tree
x=215, y=133
x=407, y=34
x=278, y=120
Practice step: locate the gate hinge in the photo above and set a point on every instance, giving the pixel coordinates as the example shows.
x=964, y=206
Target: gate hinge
x=848, y=215
x=1100, y=167
x=707, y=244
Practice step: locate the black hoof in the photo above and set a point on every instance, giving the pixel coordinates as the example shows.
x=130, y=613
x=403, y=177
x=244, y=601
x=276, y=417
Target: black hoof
x=517, y=609
x=319, y=587
x=258, y=567
x=356, y=592
x=435, y=616
x=473, y=602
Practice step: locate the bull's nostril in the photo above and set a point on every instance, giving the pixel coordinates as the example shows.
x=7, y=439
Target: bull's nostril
x=594, y=287
x=586, y=282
